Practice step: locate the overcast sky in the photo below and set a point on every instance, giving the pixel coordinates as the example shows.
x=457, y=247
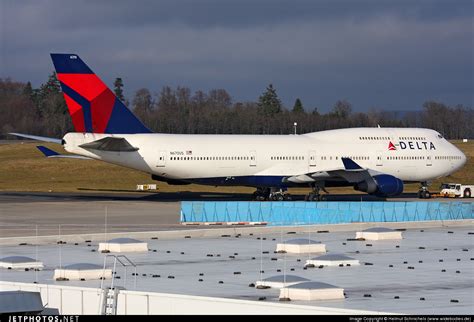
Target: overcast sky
x=392, y=55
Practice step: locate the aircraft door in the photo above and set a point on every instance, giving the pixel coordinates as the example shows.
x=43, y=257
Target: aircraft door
x=161, y=159
x=379, y=159
x=253, y=158
x=312, y=158
x=429, y=161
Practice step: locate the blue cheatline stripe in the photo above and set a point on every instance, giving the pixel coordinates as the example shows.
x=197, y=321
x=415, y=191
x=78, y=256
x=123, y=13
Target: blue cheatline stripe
x=85, y=104
x=308, y=213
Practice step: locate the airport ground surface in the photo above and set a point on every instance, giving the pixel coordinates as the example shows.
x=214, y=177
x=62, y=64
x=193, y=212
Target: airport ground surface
x=75, y=213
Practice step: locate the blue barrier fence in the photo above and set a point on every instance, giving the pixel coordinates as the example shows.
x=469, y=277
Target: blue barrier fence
x=306, y=213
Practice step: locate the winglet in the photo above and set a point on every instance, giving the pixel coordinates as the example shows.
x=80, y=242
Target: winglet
x=350, y=165
x=47, y=152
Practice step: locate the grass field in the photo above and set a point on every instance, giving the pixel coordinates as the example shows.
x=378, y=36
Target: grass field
x=24, y=168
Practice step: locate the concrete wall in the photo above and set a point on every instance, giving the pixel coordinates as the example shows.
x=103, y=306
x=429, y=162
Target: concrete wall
x=80, y=301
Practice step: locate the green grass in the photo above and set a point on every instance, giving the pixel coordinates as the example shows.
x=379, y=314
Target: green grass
x=24, y=168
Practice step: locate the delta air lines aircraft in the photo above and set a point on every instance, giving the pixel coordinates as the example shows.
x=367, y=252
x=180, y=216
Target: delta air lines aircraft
x=377, y=161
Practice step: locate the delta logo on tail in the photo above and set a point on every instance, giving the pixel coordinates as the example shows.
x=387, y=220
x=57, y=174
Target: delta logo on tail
x=391, y=147
x=92, y=105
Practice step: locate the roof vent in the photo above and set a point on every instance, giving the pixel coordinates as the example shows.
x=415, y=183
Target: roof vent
x=308, y=291
x=20, y=262
x=379, y=233
x=123, y=245
x=301, y=246
x=82, y=271
x=279, y=281
x=332, y=260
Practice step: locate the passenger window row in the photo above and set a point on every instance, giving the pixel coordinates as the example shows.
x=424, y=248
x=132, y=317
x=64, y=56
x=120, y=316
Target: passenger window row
x=221, y=158
x=287, y=158
x=448, y=157
x=373, y=138
x=406, y=158
x=412, y=138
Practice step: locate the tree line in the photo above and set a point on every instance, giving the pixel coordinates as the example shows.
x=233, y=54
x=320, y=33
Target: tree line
x=42, y=111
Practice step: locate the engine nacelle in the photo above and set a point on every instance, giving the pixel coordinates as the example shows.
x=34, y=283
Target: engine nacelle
x=383, y=185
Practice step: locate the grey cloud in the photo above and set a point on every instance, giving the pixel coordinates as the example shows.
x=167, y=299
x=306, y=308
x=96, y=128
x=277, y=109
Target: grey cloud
x=385, y=53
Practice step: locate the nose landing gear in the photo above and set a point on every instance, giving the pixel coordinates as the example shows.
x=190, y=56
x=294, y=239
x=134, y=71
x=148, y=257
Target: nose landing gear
x=423, y=193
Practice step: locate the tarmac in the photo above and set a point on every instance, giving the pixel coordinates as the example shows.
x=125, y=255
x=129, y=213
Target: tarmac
x=21, y=213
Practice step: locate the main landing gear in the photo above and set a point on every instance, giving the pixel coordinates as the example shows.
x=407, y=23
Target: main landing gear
x=274, y=194
x=315, y=194
x=423, y=193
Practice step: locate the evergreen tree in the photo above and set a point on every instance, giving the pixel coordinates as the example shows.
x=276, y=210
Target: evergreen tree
x=269, y=103
x=52, y=86
x=118, y=84
x=298, y=107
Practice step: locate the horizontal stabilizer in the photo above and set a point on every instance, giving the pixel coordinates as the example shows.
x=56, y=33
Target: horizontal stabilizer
x=53, y=154
x=38, y=138
x=47, y=152
x=110, y=144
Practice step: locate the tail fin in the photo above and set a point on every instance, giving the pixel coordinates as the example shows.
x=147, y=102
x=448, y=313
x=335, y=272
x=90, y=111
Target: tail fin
x=92, y=105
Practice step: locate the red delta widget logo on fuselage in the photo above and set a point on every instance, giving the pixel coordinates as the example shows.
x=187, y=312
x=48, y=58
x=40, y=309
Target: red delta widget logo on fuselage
x=412, y=145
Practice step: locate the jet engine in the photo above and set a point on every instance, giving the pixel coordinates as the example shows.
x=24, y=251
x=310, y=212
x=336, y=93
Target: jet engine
x=383, y=185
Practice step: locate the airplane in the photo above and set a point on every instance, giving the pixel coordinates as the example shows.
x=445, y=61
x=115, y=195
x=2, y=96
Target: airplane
x=378, y=161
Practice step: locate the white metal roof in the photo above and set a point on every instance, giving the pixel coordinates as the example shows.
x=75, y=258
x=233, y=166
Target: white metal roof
x=431, y=263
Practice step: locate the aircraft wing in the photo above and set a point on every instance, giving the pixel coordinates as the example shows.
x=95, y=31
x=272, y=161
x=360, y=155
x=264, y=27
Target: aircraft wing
x=53, y=154
x=110, y=144
x=38, y=138
x=350, y=172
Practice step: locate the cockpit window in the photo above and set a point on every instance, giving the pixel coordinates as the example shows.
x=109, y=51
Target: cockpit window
x=440, y=136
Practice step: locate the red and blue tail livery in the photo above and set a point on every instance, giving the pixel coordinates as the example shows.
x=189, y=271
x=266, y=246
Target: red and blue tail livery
x=92, y=105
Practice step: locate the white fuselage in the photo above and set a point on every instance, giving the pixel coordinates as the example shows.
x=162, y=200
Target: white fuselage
x=417, y=154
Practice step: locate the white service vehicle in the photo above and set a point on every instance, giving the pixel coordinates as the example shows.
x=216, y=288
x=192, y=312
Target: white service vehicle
x=456, y=190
